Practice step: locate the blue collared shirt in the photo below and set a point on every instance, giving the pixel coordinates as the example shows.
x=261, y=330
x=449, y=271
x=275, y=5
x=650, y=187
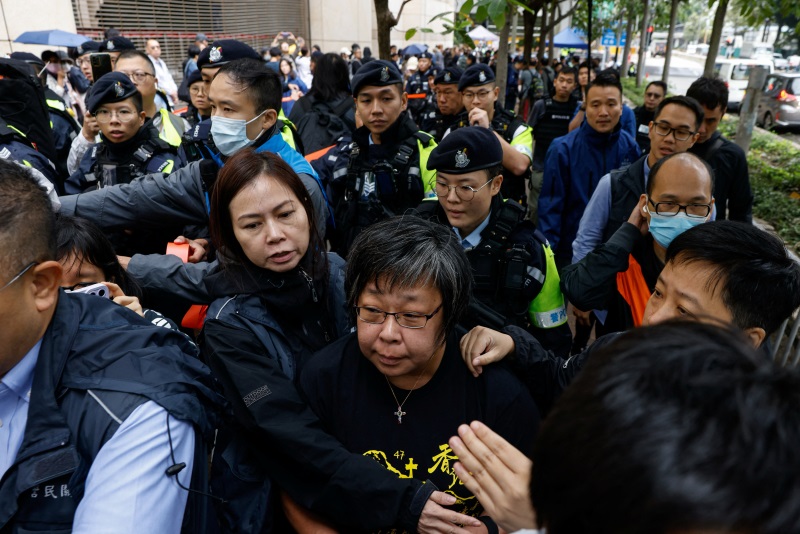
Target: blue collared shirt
x=15, y=395
x=474, y=238
x=595, y=218
x=126, y=488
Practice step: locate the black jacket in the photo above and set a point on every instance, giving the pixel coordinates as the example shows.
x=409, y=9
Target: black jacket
x=95, y=344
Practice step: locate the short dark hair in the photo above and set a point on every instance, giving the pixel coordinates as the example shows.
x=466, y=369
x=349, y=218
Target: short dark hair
x=655, y=170
x=85, y=241
x=405, y=251
x=262, y=84
x=604, y=80
x=193, y=50
x=672, y=427
x=584, y=65
x=657, y=83
x=709, y=92
x=685, y=101
x=758, y=281
x=128, y=54
x=567, y=71
x=27, y=220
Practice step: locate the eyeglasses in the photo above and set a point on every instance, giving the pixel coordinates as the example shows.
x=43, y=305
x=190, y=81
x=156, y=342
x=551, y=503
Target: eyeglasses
x=653, y=95
x=138, y=76
x=81, y=61
x=22, y=273
x=79, y=285
x=664, y=129
x=671, y=209
x=414, y=320
x=197, y=90
x=104, y=116
x=464, y=192
x=480, y=95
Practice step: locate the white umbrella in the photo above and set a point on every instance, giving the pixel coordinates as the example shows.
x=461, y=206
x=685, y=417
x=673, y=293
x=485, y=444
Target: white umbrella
x=480, y=33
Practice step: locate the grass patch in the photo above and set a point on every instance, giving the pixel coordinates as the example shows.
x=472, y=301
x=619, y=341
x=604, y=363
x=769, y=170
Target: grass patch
x=631, y=92
x=774, y=165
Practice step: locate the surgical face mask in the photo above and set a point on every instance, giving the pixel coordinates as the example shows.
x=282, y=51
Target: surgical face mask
x=53, y=68
x=230, y=135
x=665, y=229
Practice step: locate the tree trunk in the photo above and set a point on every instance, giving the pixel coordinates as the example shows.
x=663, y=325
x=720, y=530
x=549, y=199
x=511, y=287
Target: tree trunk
x=626, y=52
x=551, y=48
x=618, y=36
x=673, y=15
x=778, y=35
x=386, y=22
x=716, y=37
x=502, y=60
x=528, y=23
x=544, y=30
x=643, y=44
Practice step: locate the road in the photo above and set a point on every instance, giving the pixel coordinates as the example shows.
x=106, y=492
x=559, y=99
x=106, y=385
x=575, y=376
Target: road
x=684, y=69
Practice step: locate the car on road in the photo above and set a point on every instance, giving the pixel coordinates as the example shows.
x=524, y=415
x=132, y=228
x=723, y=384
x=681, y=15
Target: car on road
x=680, y=76
x=779, y=105
x=780, y=62
x=736, y=73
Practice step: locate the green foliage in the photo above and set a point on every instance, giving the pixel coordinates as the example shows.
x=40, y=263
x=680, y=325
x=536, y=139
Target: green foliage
x=631, y=92
x=774, y=165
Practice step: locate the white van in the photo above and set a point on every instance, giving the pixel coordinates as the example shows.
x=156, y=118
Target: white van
x=736, y=73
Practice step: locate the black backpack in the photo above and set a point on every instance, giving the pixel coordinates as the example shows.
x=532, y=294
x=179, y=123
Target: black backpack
x=23, y=106
x=320, y=126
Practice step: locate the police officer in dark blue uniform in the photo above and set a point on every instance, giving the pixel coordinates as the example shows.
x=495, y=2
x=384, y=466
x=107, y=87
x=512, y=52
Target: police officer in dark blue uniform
x=130, y=145
x=449, y=104
x=418, y=87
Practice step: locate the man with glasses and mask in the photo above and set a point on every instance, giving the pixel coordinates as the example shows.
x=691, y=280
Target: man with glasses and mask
x=480, y=92
x=516, y=280
x=94, y=401
x=129, y=145
x=620, y=275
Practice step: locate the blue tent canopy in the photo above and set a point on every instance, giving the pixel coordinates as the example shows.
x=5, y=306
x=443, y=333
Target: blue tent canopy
x=568, y=38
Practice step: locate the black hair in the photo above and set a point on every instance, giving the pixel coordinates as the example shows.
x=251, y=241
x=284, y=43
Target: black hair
x=655, y=170
x=657, y=83
x=605, y=80
x=493, y=171
x=685, y=101
x=406, y=251
x=88, y=244
x=261, y=83
x=331, y=78
x=709, y=92
x=757, y=279
x=671, y=428
x=193, y=50
x=128, y=54
x=566, y=71
x=26, y=219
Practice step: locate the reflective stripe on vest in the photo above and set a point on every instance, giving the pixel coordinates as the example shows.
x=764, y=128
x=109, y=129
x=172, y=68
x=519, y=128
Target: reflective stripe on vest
x=168, y=132
x=633, y=288
x=428, y=191
x=56, y=104
x=549, y=309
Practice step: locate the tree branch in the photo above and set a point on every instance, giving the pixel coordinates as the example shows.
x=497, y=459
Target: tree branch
x=400, y=11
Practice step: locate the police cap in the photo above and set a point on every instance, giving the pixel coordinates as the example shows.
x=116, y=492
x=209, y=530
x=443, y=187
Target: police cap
x=87, y=47
x=111, y=87
x=425, y=55
x=448, y=75
x=433, y=71
x=117, y=44
x=466, y=150
x=194, y=77
x=378, y=72
x=224, y=51
x=475, y=75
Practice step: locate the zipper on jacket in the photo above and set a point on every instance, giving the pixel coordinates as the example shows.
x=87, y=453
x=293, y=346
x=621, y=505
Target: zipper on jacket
x=310, y=285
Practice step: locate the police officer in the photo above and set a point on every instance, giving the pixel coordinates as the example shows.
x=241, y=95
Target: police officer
x=516, y=280
x=384, y=170
x=82, y=60
x=418, y=88
x=115, y=46
x=480, y=93
x=449, y=103
x=549, y=119
x=130, y=146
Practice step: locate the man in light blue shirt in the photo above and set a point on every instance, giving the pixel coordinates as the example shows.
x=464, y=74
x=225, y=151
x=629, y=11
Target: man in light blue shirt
x=103, y=417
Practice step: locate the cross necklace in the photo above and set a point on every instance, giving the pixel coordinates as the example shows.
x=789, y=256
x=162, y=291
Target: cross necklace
x=400, y=413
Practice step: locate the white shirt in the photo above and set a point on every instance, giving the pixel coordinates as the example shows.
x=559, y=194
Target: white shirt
x=165, y=80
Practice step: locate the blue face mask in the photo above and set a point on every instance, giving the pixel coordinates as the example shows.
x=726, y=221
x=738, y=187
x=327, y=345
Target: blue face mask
x=230, y=135
x=665, y=229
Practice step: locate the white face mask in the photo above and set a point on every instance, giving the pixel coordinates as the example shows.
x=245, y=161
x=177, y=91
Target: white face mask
x=230, y=135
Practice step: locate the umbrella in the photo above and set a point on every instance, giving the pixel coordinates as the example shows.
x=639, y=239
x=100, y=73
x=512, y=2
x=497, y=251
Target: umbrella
x=480, y=33
x=52, y=38
x=414, y=49
x=568, y=38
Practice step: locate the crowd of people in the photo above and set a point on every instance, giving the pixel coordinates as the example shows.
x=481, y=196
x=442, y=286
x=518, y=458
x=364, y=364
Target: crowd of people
x=333, y=295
